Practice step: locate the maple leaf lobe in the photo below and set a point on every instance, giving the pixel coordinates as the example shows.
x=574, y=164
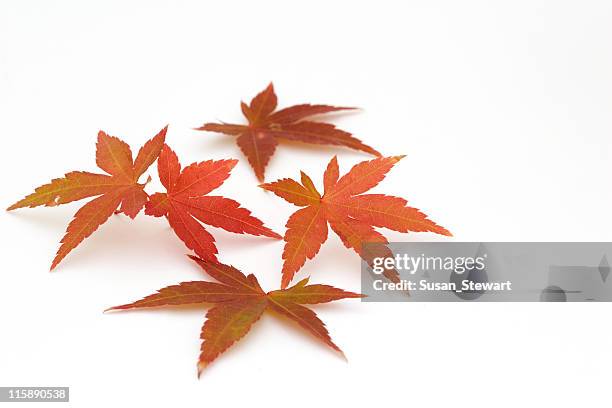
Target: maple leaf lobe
x=292, y=191
x=306, y=232
x=149, y=152
x=114, y=156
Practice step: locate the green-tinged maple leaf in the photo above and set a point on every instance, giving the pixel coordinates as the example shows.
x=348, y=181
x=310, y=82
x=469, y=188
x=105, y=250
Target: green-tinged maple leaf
x=351, y=214
x=258, y=139
x=239, y=302
x=186, y=205
x=119, y=189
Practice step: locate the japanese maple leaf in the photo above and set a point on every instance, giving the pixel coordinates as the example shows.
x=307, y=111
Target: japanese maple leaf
x=119, y=188
x=239, y=302
x=185, y=203
x=351, y=214
x=259, y=138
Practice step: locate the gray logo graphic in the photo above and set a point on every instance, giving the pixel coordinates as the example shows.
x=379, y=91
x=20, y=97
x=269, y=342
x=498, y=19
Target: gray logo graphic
x=473, y=274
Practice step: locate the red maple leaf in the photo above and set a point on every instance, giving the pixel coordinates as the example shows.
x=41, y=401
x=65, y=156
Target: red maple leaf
x=239, y=303
x=117, y=189
x=259, y=138
x=185, y=203
x=351, y=214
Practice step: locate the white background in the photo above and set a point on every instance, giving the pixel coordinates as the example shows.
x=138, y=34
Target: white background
x=502, y=108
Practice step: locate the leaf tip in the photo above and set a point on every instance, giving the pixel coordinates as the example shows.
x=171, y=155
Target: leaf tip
x=102, y=135
x=231, y=163
x=203, y=128
x=337, y=349
x=201, y=367
x=266, y=186
x=58, y=258
x=275, y=235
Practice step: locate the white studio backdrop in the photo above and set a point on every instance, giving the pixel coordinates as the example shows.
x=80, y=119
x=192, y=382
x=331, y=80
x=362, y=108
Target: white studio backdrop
x=502, y=108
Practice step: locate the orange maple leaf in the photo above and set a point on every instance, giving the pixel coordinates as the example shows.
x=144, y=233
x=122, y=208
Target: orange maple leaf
x=185, y=203
x=258, y=139
x=118, y=188
x=239, y=303
x=351, y=214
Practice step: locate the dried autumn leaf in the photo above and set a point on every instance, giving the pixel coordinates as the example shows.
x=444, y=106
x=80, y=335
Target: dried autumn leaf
x=259, y=138
x=350, y=214
x=117, y=189
x=186, y=205
x=239, y=303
